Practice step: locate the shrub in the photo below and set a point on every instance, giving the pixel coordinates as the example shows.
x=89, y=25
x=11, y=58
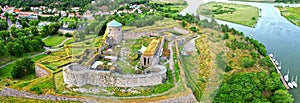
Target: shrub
x=193, y=29
x=68, y=35
x=23, y=67
x=228, y=68
x=247, y=62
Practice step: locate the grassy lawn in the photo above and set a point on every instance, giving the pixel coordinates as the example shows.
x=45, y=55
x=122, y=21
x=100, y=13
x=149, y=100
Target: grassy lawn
x=168, y=1
x=236, y=13
x=5, y=74
x=54, y=40
x=8, y=58
x=291, y=14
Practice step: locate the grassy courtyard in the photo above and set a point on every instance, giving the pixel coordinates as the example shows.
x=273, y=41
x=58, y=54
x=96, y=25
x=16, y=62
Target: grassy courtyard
x=236, y=13
x=292, y=14
x=54, y=40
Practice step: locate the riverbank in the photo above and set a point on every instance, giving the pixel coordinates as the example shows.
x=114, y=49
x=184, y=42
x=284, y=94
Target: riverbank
x=291, y=13
x=236, y=13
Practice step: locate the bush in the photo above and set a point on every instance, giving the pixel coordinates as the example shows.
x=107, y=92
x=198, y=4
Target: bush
x=23, y=67
x=228, y=68
x=193, y=29
x=36, y=90
x=68, y=35
x=247, y=62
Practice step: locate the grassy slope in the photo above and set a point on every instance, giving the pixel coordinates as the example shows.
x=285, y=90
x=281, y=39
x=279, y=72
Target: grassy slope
x=243, y=14
x=291, y=14
x=54, y=40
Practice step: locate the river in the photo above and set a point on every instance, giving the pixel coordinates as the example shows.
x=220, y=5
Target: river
x=280, y=36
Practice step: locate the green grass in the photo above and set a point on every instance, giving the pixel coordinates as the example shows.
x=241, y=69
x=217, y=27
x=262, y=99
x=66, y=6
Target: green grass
x=242, y=14
x=291, y=14
x=5, y=71
x=8, y=58
x=54, y=40
x=69, y=41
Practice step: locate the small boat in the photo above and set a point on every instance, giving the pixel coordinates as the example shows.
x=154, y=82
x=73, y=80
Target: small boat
x=294, y=83
x=273, y=59
x=286, y=77
x=271, y=55
x=279, y=67
x=251, y=35
x=277, y=63
x=290, y=85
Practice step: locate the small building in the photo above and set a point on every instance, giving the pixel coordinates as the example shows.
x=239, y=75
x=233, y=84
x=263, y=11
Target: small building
x=148, y=55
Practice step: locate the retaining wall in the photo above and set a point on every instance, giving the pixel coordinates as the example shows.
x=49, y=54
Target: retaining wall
x=41, y=70
x=82, y=76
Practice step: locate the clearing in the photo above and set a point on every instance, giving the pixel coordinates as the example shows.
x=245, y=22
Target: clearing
x=54, y=40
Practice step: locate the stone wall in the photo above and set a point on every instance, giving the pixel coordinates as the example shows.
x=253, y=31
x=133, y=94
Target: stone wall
x=83, y=76
x=41, y=70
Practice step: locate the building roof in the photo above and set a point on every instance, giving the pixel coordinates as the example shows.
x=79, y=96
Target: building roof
x=153, y=45
x=114, y=23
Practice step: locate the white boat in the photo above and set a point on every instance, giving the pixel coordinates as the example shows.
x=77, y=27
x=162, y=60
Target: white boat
x=286, y=77
x=271, y=55
x=290, y=85
x=251, y=35
x=277, y=63
x=279, y=67
x=294, y=83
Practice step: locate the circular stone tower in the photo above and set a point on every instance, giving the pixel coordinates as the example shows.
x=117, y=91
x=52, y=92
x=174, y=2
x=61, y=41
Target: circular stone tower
x=115, y=31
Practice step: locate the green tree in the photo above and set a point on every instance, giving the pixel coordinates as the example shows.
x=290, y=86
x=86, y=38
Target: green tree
x=282, y=96
x=22, y=68
x=247, y=62
x=15, y=48
x=34, y=30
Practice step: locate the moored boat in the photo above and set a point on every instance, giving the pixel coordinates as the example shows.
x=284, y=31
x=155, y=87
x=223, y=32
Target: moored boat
x=290, y=85
x=286, y=77
x=294, y=83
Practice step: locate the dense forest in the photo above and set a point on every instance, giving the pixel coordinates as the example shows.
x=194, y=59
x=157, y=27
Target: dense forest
x=63, y=4
x=254, y=87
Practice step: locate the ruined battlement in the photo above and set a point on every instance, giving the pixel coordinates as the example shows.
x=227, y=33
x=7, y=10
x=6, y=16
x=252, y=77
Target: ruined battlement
x=76, y=75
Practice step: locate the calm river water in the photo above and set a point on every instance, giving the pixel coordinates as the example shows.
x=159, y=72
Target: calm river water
x=280, y=37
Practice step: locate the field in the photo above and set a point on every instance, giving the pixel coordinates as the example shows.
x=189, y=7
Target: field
x=168, y=1
x=291, y=14
x=54, y=40
x=236, y=13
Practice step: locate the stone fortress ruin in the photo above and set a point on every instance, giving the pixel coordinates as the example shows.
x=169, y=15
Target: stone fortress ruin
x=102, y=69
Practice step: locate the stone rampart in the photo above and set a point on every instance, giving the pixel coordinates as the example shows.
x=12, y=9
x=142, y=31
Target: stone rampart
x=77, y=75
